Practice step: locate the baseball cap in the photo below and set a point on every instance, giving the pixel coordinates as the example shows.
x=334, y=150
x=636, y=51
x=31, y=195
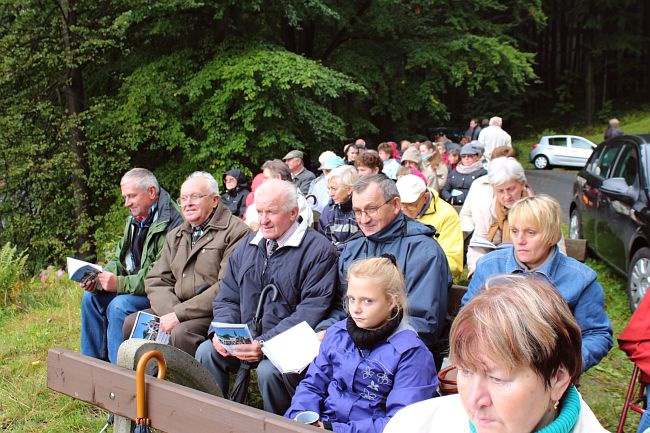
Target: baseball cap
x=331, y=163
x=410, y=188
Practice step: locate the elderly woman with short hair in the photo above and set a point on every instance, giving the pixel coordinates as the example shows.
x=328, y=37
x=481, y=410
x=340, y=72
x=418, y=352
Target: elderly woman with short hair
x=517, y=348
x=337, y=222
x=535, y=230
x=508, y=182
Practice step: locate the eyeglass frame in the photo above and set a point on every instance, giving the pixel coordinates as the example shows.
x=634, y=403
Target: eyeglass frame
x=370, y=212
x=191, y=199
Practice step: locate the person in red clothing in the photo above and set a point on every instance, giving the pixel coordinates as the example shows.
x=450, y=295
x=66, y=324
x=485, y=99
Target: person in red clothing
x=635, y=342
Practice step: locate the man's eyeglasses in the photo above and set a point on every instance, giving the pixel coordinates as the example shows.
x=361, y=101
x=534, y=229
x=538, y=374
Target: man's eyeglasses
x=370, y=211
x=190, y=199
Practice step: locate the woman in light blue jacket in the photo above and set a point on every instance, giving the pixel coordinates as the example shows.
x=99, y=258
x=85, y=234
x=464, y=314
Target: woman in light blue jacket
x=535, y=229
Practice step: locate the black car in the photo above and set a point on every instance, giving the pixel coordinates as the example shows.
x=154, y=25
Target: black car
x=610, y=208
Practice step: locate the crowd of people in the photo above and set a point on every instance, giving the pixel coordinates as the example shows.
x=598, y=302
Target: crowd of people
x=365, y=253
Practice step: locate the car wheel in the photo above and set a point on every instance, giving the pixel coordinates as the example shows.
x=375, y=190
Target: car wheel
x=541, y=162
x=575, y=225
x=638, y=277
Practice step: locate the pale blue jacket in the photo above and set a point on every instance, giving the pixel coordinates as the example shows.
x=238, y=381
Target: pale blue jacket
x=577, y=284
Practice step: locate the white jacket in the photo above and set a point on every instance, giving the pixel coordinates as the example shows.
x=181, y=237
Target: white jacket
x=446, y=414
x=492, y=137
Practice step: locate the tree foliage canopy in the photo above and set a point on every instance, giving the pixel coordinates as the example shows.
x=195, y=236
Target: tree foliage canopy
x=90, y=89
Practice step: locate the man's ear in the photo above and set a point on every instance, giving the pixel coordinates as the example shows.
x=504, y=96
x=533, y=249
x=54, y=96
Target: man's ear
x=294, y=213
x=559, y=383
x=151, y=192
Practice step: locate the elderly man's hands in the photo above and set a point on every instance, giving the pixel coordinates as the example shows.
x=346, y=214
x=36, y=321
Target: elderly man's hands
x=248, y=352
x=169, y=322
x=108, y=281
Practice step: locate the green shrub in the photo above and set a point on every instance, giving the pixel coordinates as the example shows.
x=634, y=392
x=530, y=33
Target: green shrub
x=12, y=271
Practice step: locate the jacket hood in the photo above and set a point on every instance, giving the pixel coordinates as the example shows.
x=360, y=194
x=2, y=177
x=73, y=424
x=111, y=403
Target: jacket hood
x=402, y=226
x=242, y=182
x=166, y=210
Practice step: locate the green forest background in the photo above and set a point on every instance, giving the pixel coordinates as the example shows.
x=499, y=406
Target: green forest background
x=90, y=89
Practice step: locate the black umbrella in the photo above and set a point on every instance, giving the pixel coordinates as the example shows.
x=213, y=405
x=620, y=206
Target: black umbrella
x=240, y=387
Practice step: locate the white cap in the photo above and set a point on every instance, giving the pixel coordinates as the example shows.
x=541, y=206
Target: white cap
x=410, y=188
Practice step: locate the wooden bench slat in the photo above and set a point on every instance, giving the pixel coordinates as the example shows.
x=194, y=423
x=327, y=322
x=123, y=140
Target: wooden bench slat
x=576, y=248
x=172, y=408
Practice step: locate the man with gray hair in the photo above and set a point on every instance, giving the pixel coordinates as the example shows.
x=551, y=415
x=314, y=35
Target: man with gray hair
x=276, y=169
x=183, y=283
x=613, y=130
x=386, y=230
x=493, y=136
x=119, y=290
x=300, y=262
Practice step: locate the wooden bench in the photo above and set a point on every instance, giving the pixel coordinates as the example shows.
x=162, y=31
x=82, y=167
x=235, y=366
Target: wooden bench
x=576, y=248
x=171, y=407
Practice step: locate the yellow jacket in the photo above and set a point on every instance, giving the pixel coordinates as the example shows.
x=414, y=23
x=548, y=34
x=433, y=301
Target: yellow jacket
x=446, y=221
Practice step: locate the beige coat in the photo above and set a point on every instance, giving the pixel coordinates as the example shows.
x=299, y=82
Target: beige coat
x=177, y=282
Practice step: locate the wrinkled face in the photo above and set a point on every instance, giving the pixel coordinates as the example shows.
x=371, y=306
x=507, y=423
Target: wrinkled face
x=231, y=182
x=385, y=156
x=273, y=218
x=530, y=248
x=413, y=209
x=138, y=200
x=371, y=211
x=509, y=192
x=469, y=159
x=294, y=164
x=339, y=194
x=368, y=304
x=352, y=153
x=196, y=201
x=365, y=171
x=501, y=401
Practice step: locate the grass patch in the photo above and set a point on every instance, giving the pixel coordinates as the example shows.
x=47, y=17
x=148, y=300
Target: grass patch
x=49, y=317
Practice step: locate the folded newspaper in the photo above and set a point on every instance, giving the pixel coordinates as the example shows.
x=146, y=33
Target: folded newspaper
x=294, y=349
x=147, y=327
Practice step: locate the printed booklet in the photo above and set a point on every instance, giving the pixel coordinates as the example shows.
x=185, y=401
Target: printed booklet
x=79, y=271
x=292, y=350
x=147, y=327
x=232, y=334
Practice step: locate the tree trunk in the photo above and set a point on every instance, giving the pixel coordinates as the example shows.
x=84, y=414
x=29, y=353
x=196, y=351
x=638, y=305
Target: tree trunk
x=75, y=105
x=590, y=88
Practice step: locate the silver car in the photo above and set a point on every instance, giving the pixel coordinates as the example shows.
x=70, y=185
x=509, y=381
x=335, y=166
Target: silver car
x=561, y=150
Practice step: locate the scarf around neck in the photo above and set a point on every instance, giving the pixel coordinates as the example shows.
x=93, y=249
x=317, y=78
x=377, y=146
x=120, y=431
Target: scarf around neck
x=499, y=231
x=467, y=169
x=369, y=338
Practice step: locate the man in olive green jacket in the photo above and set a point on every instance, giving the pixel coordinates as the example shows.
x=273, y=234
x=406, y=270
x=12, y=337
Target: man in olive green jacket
x=183, y=283
x=119, y=290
